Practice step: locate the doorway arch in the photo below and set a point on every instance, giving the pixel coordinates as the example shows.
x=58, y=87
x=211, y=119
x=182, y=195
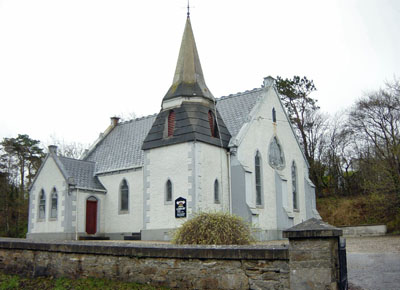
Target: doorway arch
x=91, y=215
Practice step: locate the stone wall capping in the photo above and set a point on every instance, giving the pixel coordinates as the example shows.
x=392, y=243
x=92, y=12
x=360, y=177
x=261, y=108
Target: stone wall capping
x=312, y=228
x=311, y=261
x=252, y=252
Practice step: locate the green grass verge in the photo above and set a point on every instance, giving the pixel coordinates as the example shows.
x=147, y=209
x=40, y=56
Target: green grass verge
x=43, y=283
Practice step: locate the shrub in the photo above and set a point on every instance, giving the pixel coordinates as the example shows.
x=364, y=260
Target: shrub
x=214, y=229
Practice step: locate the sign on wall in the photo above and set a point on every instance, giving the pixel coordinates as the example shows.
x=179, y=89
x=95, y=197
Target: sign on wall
x=180, y=207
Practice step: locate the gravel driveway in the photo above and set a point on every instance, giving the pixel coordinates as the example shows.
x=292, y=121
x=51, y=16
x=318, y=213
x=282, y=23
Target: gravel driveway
x=373, y=263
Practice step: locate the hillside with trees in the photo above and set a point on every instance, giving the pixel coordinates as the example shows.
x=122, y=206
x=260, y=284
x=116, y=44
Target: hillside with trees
x=354, y=156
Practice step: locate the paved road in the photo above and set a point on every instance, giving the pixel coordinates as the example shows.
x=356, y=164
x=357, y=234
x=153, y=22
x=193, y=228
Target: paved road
x=374, y=263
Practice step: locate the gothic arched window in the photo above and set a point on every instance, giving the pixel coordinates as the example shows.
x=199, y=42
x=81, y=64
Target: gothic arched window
x=171, y=123
x=124, y=196
x=168, y=191
x=257, y=170
x=54, y=204
x=42, y=205
x=216, y=191
x=276, y=156
x=294, y=185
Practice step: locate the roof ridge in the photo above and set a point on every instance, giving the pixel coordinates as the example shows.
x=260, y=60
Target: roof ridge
x=74, y=159
x=138, y=119
x=238, y=94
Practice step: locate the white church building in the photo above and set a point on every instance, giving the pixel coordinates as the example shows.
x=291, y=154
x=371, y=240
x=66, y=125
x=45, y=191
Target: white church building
x=145, y=177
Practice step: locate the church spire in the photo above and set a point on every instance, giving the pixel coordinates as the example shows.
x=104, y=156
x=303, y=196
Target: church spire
x=188, y=79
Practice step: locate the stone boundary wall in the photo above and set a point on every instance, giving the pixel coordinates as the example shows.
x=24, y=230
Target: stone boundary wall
x=182, y=267
x=370, y=230
x=310, y=262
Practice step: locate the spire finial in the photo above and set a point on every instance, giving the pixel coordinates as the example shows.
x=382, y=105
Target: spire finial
x=188, y=10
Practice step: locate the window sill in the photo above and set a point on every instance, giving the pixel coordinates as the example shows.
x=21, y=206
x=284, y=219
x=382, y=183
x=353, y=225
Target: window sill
x=52, y=219
x=41, y=220
x=296, y=210
x=168, y=202
x=123, y=212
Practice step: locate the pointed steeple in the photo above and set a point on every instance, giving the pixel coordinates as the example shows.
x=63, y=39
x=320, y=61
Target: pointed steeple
x=188, y=79
x=188, y=112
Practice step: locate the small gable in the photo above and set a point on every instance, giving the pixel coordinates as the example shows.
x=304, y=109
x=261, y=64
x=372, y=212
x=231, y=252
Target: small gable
x=235, y=109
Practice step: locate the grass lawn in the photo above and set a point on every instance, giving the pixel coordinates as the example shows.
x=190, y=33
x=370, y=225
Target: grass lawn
x=42, y=283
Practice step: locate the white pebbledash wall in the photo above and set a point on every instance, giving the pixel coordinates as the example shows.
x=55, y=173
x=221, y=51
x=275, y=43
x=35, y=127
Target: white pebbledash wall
x=123, y=222
x=258, y=136
x=49, y=171
x=192, y=168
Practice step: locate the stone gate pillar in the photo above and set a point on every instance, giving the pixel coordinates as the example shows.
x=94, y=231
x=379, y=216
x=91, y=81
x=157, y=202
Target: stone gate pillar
x=313, y=255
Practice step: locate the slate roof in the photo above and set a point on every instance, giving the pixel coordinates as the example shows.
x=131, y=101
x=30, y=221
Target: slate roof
x=191, y=124
x=79, y=172
x=235, y=109
x=121, y=148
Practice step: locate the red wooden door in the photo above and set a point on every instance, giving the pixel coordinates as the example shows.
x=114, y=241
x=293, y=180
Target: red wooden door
x=91, y=216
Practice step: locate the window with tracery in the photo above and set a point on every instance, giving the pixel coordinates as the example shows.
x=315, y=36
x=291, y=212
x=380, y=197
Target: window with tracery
x=54, y=204
x=42, y=205
x=257, y=170
x=294, y=185
x=276, y=156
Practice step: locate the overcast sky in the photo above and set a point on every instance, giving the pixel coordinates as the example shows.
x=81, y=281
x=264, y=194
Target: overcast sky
x=67, y=66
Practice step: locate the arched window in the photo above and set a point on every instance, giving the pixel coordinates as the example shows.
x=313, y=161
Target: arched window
x=276, y=156
x=273, y=115
x=294, y=185
x=171, y=123
x=216, y=191
x=42, y=204
x=257, y=170
x=168, y=191
x=213, y=124
x=124, y=196
x=54, y=204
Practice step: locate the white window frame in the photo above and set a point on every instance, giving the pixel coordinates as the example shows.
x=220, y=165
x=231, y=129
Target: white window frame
x=42, y=197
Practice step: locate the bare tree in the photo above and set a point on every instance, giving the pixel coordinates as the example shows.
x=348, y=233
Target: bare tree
x=375, y=121
x=73, y=150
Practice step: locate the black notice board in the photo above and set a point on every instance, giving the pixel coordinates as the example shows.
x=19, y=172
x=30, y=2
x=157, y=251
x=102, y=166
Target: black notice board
x=180, y=207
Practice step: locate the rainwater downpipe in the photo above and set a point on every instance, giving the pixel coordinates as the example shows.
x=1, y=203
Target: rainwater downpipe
x=229, y=181
x=76, y=213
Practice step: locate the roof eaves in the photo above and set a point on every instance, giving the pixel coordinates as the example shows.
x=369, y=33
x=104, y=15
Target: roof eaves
x=91, y=189
x=113, y=171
